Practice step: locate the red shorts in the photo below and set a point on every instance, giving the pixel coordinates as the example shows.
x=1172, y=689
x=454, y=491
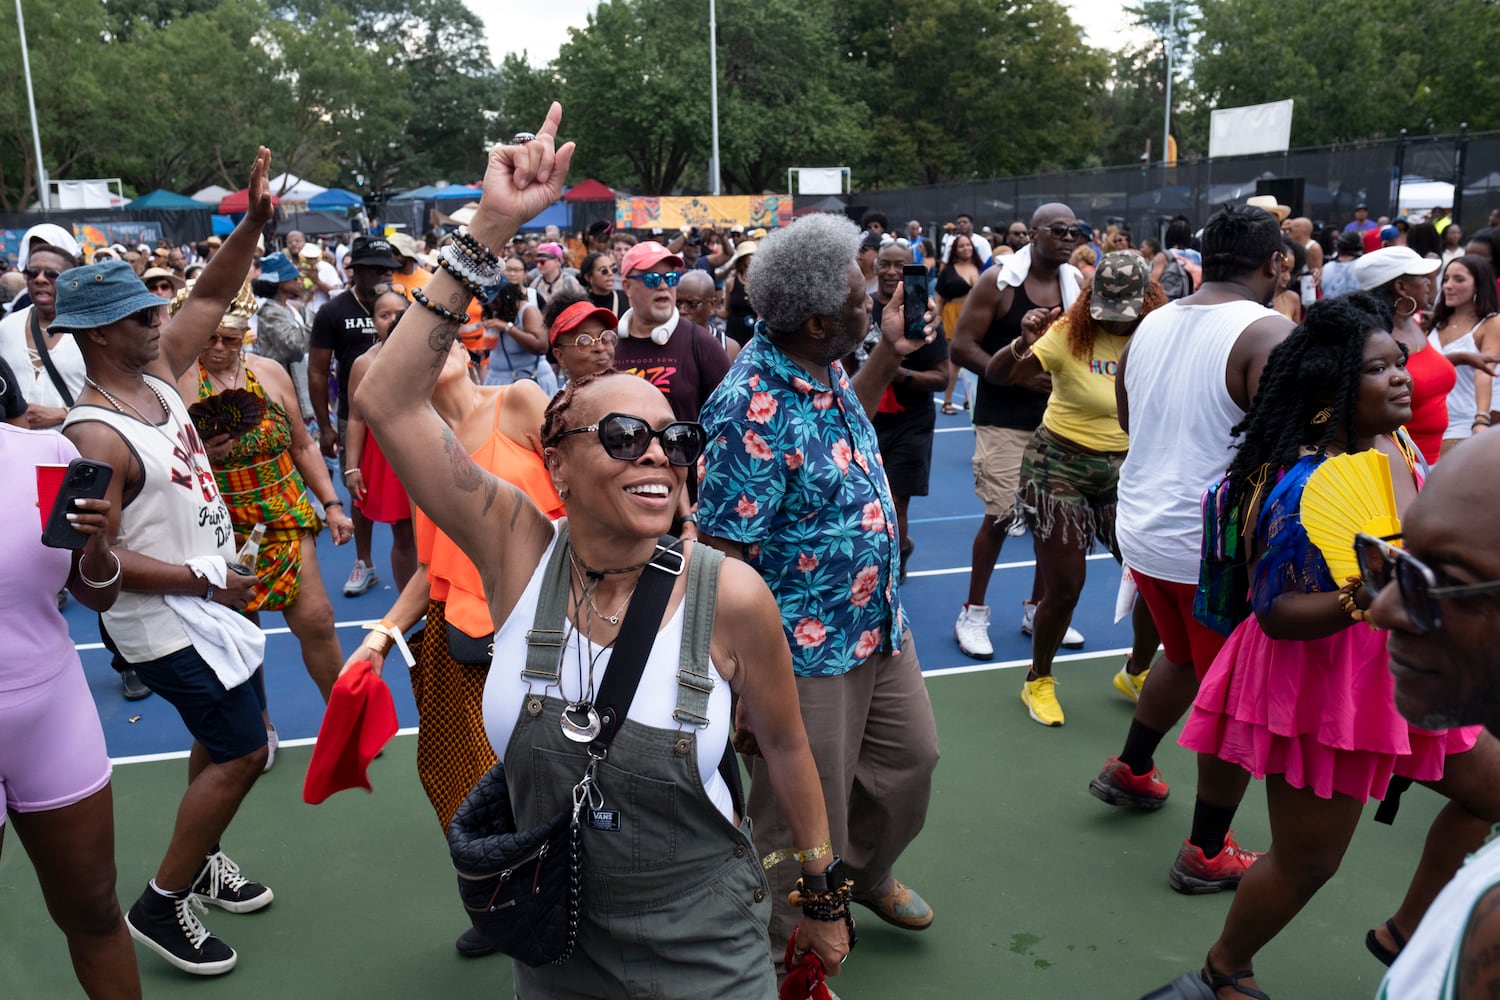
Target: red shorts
x=1183, y=637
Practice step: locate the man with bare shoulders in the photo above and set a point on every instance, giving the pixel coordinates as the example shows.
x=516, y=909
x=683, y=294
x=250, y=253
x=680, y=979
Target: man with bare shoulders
x=1186, y=379
x=1034, y=281
x=1447, y=673
x=174, y=542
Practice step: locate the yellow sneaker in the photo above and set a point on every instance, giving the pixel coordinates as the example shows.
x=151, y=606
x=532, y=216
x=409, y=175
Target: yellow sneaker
x=1040, y=698
x=1130, y=684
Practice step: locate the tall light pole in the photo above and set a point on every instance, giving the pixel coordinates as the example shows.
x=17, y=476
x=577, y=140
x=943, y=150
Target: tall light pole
x=43, y=186
x=713, y=94
x=1171, y=36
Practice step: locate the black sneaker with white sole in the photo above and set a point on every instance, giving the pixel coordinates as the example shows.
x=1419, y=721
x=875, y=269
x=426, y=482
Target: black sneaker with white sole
x=170, y=927
x=220, y=884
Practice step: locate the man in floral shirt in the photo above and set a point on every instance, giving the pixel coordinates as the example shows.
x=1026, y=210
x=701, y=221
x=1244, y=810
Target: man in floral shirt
x=792, y=483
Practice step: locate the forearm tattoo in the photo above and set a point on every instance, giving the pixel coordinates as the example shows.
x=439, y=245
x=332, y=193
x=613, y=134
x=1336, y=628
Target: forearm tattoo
x=468, y=476
x=441, y=341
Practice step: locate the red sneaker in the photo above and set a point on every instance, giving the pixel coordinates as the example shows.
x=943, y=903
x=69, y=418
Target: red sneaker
x=1196, y=875
x=1119, y=786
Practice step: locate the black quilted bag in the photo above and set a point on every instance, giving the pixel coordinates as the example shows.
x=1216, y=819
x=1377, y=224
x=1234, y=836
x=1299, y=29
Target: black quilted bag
x=521, y=887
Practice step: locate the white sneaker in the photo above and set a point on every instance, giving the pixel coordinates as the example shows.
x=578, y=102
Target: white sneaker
x=361, y=578
x=1073, y=639
x=973, y=631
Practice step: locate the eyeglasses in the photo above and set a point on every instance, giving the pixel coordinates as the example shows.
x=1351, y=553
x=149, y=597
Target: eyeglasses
x=626, y=438
x=146, y=316
x=233, y=341
x=654, y=280
x=606, y=269
x=1064, y=232
x=1016, y=232
x=693, y=303
x=585, y=341
x=32, y=273
x=160, y=286
x=1380, y=562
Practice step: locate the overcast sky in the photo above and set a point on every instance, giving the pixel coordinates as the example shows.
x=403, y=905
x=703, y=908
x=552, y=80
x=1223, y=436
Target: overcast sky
x=540, y=28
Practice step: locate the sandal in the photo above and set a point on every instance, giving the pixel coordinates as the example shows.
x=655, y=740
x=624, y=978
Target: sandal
x=1383, y=954
x=949, y=409
x=1217, y=980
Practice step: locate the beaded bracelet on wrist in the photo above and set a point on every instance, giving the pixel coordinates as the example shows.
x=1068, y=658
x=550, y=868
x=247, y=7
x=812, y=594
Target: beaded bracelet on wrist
x=421, y=299
x=473, y=247
x=484, y=284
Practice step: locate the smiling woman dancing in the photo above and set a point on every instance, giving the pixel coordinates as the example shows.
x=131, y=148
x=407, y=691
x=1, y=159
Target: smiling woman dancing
x=675, y=902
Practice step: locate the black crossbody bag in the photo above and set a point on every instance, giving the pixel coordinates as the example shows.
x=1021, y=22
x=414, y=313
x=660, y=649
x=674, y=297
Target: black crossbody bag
x=40, y=339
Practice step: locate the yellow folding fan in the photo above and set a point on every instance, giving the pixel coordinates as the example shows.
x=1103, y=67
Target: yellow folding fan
x=1344, y=496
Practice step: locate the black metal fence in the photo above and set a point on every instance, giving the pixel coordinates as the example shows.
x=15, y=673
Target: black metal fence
x=1333, y=179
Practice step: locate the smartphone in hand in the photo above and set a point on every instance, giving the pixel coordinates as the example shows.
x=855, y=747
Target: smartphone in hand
x=914, y=280
x=83, y=480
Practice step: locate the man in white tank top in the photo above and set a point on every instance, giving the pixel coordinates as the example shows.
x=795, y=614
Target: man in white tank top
x=1184, y=382
x=166, y=510
x=1450, y=676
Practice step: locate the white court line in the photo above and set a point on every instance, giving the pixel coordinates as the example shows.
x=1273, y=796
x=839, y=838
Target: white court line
x=954, y=430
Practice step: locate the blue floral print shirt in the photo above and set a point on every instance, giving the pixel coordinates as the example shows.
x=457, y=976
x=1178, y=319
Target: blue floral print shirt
x=792, y=472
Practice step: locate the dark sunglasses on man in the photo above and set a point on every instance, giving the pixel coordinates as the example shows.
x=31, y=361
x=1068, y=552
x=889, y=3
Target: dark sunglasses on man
x=32, y=273
x=626, y=438
x=1380, y=562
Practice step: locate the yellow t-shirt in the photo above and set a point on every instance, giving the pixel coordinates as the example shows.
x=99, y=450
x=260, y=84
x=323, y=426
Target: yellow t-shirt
x=1082, y=406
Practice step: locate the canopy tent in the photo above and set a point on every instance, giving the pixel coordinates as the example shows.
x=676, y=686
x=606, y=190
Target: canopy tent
x=313, y=224
x=335, y=199
x=212, y=195
x=466, y=192
x=238, y=203
x=1418, y=193
x=223, y=225
x=167, y=200
x=289, y=187
x=556, y=214
x=589, y=190
x=832, y=204
x=422, y=193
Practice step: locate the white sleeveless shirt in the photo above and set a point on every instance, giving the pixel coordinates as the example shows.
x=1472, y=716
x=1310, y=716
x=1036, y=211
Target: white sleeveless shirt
x=1180, y=416
x=1462, y=400
x=1427, y=968
x=178, y=514
x=506, y=691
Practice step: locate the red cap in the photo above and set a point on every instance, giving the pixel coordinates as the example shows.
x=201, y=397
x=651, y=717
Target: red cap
x=645, y=256
x=358, y=722
x=576, y=315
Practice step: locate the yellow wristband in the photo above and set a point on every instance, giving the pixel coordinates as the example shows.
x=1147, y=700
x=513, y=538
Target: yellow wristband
x=775, y=858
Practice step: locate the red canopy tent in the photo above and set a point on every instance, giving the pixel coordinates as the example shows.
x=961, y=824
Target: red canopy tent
x=239, y=203
x=589, y=190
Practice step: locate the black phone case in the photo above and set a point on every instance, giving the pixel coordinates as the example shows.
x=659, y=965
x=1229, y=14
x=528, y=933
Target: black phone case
x=916, y=305
x=84, y=480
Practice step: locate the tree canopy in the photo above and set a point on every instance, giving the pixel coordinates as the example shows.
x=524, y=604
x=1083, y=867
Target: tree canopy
x=385, y=94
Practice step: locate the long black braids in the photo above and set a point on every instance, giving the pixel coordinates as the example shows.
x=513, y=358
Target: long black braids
x=1309, y=390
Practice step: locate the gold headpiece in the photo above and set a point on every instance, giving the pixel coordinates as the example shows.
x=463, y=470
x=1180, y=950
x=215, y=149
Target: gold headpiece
x=236, y=317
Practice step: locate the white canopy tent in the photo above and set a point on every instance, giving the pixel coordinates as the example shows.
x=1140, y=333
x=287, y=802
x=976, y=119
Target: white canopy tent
x=212, y=195
x=1419, y=195
x=292, y=189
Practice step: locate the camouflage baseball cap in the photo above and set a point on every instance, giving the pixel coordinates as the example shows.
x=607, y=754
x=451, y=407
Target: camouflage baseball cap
x=1120, y=283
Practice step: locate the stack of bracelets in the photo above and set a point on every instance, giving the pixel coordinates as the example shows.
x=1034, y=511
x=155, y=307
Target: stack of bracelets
x=472, y=265
x=828, y=904
x=1346, y=599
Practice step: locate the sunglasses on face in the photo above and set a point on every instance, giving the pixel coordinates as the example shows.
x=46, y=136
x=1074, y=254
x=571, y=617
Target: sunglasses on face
x=1380, y=562
x=32, y=273
x=1064, y=232
x=233, y=341
x=584, y=341
x=146, y=316
x=626, y=438
x=160, y=286
x=694, y=303
x=604, y=269
x=654, y=280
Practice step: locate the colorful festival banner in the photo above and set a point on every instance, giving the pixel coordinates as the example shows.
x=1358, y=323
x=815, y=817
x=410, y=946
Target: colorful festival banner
x=723, y=212
x=90, y=234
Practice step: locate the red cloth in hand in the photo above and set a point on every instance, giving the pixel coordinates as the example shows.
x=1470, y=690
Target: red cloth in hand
x=359, y=721
x=804, y=975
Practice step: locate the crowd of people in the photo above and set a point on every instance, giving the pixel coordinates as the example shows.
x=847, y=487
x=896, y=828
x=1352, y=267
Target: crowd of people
x=725, y=429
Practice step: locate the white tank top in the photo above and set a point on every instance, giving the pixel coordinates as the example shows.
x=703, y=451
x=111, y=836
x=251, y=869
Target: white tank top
x=1462, y=402
x=1180, y=416
x=1427, y=968
x=177, y=515
x=505, y=691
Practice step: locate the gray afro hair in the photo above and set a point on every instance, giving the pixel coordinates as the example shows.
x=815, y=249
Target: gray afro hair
x=802, y=271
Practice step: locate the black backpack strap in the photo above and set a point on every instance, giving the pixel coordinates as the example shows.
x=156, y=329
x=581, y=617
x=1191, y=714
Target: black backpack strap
x=40, y=338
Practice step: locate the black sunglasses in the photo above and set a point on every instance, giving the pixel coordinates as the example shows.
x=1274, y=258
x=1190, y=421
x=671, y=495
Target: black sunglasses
x=626, y=438
x=145, y=316
x=1380, y=562
x=32, y=273
x=1064, y=232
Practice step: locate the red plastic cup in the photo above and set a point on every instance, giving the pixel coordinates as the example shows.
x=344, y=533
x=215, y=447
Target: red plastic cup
x=49, y=483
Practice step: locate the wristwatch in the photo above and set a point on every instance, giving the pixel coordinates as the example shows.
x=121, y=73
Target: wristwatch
x=830, y=878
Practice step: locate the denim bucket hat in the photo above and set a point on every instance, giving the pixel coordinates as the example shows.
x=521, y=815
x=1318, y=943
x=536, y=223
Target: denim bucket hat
x=276, y=267
x=100, y=294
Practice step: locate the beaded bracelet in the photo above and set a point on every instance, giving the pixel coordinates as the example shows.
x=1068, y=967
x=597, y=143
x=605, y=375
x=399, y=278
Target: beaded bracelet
x=484, y=284
x=473, y=247
x=421, y=299
x=1346, y=600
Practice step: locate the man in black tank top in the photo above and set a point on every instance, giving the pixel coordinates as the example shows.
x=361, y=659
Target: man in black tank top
x=1031, y=287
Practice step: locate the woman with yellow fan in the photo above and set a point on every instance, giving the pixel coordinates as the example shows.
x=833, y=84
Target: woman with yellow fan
x=1300, y=694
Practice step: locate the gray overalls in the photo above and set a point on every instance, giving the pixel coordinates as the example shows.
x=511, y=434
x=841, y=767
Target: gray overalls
x=675, y=903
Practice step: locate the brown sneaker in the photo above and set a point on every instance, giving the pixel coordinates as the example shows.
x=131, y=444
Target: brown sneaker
x=901, y=907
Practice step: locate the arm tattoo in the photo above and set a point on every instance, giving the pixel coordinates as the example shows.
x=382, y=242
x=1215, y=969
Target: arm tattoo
x=440, y=340
x=468, y=476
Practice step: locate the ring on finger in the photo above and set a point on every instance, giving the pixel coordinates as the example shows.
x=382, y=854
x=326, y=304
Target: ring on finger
x=521, y=138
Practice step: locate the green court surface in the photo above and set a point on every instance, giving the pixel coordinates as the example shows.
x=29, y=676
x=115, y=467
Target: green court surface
x=1040, y=890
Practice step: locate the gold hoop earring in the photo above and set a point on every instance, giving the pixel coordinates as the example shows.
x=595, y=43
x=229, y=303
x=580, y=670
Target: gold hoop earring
x=1410, y=312
x=1323, y=416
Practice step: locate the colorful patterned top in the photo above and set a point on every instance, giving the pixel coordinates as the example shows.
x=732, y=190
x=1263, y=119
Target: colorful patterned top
x=261, y=485
x=793, y=472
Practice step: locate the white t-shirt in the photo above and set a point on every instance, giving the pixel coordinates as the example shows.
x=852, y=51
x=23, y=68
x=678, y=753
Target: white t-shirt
x=1427, y=968
x=328, y=275
x=1176, y=380
x=36, y=384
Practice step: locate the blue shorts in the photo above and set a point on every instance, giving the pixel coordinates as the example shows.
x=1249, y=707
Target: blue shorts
x=227, y=722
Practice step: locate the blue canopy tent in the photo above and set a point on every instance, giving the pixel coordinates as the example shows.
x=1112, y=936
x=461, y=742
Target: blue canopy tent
x=558, y=214
x=335, y=199
x=223, y=225
x=431, y=192
x=168, y=201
